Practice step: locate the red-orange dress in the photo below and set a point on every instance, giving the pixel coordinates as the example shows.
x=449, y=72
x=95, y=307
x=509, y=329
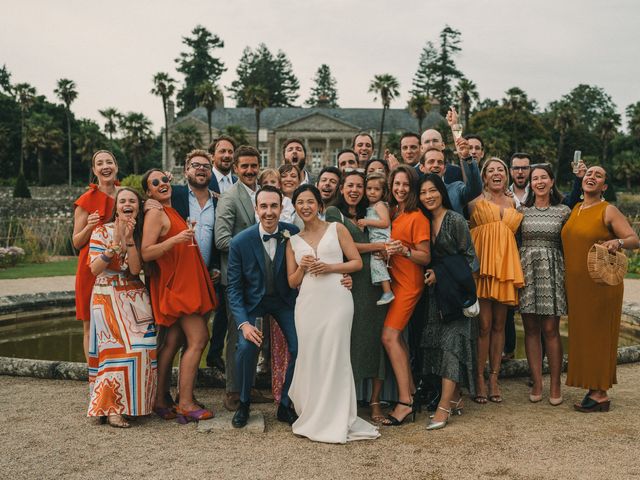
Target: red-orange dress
x=407, y=278
x=180, y=285
x=90, y=201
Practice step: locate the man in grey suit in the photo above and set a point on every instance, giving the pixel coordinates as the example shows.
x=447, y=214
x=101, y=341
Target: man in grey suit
x=234, y=214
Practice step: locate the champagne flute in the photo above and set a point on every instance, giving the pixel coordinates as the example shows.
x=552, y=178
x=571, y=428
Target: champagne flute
x=387, y=246
x=191, y=224
x=456, y=130
x=577, y=155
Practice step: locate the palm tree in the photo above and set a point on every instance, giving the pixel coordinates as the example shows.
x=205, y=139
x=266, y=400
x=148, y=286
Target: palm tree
x=256, y=96
x=386, y=87
x=184, y=139
x=607, y=130
x=208, y=95
x=111, y=117
x=466, y=92
x=43, y=136
x=419, y=106
x=138, y=137
x=164, y=87
x=25, y=96
x=67, y=93
x=88, y=139
x=565, y=119
x=633, y=116
x=626, y=167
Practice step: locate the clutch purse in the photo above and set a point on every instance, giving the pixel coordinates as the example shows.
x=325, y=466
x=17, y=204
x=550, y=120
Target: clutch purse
x=604, y=267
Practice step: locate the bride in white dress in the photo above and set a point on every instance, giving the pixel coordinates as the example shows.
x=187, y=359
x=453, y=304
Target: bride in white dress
x=323, y=390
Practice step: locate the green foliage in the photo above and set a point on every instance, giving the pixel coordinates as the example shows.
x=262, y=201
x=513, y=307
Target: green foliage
x=238, y=132
x=273, y=73
x=425, y=76
x=43, y=137
x=209, y=95
x=88, y=139
x=466, y=93
x=626, y=168
x=135, y=182
x=184, y=138
x=385, y=87
x=198, y=65
x=48, y=269
x=324, y=92
x=393, y=143
x=138, y=138
x=21, y=190
x=419, y=106
x=634, y=263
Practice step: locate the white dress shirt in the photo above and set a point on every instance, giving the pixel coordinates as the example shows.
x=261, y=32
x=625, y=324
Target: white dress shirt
x=270, y=245
x=225, y=182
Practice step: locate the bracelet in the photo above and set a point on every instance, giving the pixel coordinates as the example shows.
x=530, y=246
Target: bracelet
x=620, y=244
x=131, y=244
x=105, y=258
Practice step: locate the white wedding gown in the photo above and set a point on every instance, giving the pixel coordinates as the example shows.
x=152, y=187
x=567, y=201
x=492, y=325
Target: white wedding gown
x=323, y=390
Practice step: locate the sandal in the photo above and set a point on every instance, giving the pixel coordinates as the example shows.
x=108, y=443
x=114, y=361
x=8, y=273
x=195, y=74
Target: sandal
x=376, y=418
x=391, y=421
x=165, y=413
x=185, y=416
x=456, y=407
x=117, y=421
x=495, y=398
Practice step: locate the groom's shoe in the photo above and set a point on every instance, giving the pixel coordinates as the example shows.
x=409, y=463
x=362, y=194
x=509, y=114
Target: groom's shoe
x=241, y=417
x=286, y=414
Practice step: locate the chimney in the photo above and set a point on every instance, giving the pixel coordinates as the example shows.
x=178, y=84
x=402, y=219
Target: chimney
x=171, y=112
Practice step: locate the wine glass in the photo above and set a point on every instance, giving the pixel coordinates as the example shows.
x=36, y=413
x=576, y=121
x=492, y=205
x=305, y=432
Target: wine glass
x=577, y=158
x=191, y=224
x=387, y=246
x=456, y=130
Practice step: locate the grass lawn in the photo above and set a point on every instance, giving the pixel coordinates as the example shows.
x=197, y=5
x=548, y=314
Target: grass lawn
x=30, y=270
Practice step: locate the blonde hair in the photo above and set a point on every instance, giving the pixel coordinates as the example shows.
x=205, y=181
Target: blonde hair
x=198, y=152
x=98, y=152
x=494, y=160
x=266, y=173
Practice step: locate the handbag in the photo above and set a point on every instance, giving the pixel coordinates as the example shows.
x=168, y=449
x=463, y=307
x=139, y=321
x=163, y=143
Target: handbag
x=604, y=267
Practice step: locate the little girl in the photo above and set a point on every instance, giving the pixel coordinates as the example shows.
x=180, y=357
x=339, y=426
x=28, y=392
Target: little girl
x=378, y=222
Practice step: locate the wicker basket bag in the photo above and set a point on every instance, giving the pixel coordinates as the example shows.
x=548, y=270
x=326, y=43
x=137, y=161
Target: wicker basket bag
x=604, y=267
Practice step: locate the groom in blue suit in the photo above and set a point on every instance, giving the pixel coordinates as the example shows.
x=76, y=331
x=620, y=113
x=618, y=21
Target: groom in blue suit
x=257, y=285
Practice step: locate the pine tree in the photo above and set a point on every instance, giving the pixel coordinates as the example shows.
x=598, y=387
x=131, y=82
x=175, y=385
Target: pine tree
x=425, y=77
x=324, y=93
x=273, y=73
x=198, y=65
x=444, y=67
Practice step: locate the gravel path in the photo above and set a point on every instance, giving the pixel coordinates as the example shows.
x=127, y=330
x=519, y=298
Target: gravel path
x=46, y=436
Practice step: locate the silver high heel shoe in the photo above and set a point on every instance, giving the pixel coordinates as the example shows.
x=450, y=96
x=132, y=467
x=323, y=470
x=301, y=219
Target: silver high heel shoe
x=438, y=425
x=456, y=409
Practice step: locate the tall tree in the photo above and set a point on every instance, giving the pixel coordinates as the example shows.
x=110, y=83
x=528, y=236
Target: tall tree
x=67, y=93
x=112, y=117
x=466, y=93
x=517, y=103
x=626, y=168
x=324, y=92
x=419, y=106
x=591, y=104
x=198, y=65
x=607, y=130
x=138, y=137
x=633, y=118
x=384, y=86
x=209, y=95
x=164, y=87
x=89, y=139
x=256, y=97
x=43, y=136
x=564, y=119
x=25, y=96
x=445, y=67
x=425, y=76
x=238, y=133
x=274, y=73
x=184, y=139
x=5, y=80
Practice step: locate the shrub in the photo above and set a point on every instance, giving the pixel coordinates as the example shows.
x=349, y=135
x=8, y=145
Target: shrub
x=10, y=256
x=133, y=181
x=21, y=189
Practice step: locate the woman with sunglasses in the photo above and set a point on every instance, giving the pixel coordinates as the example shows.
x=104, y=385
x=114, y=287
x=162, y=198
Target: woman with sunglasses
x=91, y=210
x=542, y=299
x=182, y=297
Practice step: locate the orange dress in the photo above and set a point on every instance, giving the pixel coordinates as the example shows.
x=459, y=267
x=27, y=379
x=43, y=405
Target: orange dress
x=407, y=278
x=180, y=285
x=90, y=201
x=500, y=275
x=594, y=309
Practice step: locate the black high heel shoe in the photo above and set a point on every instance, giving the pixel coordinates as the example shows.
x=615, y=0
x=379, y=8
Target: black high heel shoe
x=391, y=421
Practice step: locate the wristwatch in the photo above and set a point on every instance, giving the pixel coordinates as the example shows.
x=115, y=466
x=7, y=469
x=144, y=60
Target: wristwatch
x=621, y=244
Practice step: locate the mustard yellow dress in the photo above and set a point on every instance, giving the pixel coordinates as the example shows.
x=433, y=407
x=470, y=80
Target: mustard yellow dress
x=594, y=309
x=493, y=235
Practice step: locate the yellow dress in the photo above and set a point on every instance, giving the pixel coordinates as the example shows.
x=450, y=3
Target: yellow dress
x=500, y=275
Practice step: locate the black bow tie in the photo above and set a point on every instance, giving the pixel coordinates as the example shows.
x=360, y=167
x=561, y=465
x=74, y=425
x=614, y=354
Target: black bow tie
x=268, y=236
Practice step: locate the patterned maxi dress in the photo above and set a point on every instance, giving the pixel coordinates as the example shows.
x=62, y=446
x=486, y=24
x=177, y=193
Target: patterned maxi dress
x=122, y=341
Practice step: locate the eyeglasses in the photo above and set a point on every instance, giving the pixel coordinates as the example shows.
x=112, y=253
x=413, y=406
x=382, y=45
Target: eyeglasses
x=521, y=169
x=197, y=166
x=155, y=182
x=356, y=170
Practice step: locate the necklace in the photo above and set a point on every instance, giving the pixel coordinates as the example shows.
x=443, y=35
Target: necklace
x=542, y=209
x=583, y=207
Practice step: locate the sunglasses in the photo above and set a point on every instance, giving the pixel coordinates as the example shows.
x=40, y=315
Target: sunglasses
x=155, y=182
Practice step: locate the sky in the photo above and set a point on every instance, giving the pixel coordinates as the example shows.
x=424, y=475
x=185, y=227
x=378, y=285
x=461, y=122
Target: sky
x=112, y=49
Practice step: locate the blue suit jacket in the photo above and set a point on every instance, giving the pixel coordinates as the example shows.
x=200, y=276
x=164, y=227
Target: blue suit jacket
x=213, y=183
x=246, y=272
x=180, y=202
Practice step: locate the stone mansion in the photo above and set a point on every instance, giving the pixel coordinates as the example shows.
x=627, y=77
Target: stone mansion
x=324, y=131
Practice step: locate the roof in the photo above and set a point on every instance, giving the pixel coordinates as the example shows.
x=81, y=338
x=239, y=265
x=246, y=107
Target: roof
x=272, y=118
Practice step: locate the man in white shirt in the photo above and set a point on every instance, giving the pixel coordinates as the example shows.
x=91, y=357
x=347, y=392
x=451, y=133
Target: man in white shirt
x=222, y=149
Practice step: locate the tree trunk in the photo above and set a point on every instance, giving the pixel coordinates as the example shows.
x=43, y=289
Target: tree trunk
x=560, y=146
x=22, y=129
x=257, y=129
x=69, y=143
x=40, y=168
x=420, y=120
x=209, y=123
x=166, y=135
x=135, y=164
x=384, y=111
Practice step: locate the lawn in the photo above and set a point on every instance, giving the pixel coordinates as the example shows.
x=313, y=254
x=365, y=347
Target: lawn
x=31, y=270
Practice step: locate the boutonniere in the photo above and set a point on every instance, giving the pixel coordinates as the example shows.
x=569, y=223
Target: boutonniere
x=286, y=235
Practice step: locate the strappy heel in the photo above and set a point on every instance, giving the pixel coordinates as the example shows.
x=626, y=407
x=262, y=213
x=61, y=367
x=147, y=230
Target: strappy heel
x=494, y=398
x=438, y=425
x=456, y=409
x=376, y=418
x=391, y=421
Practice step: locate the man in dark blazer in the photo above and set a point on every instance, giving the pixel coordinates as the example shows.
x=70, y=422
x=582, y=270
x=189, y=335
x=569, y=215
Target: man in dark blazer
x=257, y=285
x=235, y=213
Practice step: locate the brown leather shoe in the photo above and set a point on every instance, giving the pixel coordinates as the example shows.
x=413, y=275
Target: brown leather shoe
x=231, y=401
x=258, y=397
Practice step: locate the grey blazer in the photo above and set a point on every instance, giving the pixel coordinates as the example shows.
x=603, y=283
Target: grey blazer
x=234, y=213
